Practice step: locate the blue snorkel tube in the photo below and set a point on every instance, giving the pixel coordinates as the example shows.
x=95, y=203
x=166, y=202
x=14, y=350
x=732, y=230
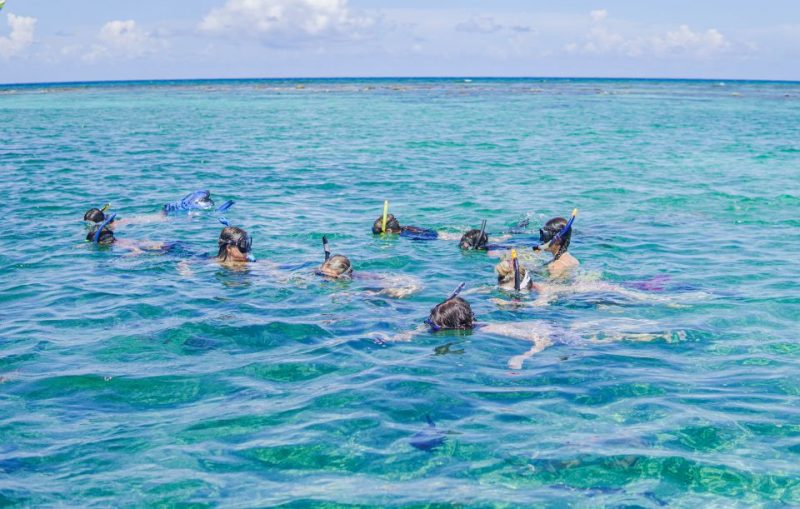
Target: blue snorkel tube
x=558, y=236
x=96, y=238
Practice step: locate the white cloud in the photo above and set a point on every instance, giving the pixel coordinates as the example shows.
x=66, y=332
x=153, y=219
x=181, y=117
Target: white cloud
x=685, y=40
x=21, y=36
x=479, y=24
x=288, y=22
x=602, y=40
x=123, y=39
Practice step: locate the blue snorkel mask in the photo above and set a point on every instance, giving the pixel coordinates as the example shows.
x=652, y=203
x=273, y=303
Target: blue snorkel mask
x=198, y=200
x=98, y=233
x=453, y=295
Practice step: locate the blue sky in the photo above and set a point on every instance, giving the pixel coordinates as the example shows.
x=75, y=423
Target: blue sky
x=60, y=40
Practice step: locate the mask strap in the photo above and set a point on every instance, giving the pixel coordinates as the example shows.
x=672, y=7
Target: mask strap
x=110, y=218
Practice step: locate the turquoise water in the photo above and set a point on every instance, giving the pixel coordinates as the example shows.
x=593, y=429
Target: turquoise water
x=157, y=381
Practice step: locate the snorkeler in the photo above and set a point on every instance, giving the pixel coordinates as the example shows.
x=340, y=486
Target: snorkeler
x=235, y=246
x=554, y=238
x=102, y=235
x=512, y=275
x=339, y=267
x=455, y=313
x=387, y=223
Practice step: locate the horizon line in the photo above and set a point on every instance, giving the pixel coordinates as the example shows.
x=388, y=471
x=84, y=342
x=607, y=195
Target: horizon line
x=452, y=77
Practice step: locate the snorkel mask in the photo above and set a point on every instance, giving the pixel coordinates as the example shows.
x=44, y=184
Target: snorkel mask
x=453, y=295
x=547, y=236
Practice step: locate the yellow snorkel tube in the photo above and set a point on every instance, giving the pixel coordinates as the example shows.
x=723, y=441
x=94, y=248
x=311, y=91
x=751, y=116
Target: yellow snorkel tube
x=385, y=215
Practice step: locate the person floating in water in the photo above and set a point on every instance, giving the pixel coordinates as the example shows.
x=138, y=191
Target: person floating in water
x=235, y=246
x=102, y=235
x=339, y=267
x=554, y=237
x=455, y=313
x=198, y=200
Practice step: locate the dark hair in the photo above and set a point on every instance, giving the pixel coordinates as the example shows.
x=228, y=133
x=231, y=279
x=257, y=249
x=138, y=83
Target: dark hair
x=392, y=224
x=106, y=236
x=454, y=313
x=552, y=228
x=94, y=215
x=474, y=240
x=230, y=236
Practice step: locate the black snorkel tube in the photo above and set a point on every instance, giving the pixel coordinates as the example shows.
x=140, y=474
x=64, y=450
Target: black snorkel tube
x=558, y=236
x=477, y=241
x=325, y=247
x=515, y=265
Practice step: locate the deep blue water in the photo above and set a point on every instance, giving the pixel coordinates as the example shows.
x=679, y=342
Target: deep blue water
x=165, y=380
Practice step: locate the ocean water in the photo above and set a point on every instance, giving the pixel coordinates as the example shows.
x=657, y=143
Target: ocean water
x=169, y=380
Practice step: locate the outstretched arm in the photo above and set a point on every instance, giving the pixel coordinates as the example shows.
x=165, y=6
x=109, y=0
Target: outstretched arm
x=535, y=332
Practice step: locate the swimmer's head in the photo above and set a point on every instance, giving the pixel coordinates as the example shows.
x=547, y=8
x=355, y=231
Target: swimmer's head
x=94, y=215
x=235, y=245
x=454, y=313
x=474, y=239
x=505, y=274
x=336, y=266
x=392, y=225
x=550, y=230
x=105, y=238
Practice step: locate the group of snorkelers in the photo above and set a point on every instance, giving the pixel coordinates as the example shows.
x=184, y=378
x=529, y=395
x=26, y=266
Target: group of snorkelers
x=235, y=247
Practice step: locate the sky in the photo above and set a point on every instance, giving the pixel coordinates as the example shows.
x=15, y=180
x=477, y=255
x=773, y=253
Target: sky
x=88, y=40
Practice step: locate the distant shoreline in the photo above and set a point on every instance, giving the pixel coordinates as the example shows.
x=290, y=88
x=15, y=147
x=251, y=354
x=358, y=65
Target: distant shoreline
x=168, y=81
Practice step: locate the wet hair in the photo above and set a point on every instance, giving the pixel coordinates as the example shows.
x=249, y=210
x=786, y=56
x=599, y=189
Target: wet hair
x=454, y=313
x=505, y=272
x=474, y=240
x=106, y=236
x=94, y=215
x=551, y=229
x=392, y=224
x=339, y=264
x=231, y=236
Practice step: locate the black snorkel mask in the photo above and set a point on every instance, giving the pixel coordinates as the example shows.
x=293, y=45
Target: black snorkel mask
x=244, y=243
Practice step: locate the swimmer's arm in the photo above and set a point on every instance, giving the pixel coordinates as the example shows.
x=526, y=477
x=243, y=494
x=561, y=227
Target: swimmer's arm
x=440, y=235
x=146, y=219
x=526, y=331
x=394, y=286
x=398, y=338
